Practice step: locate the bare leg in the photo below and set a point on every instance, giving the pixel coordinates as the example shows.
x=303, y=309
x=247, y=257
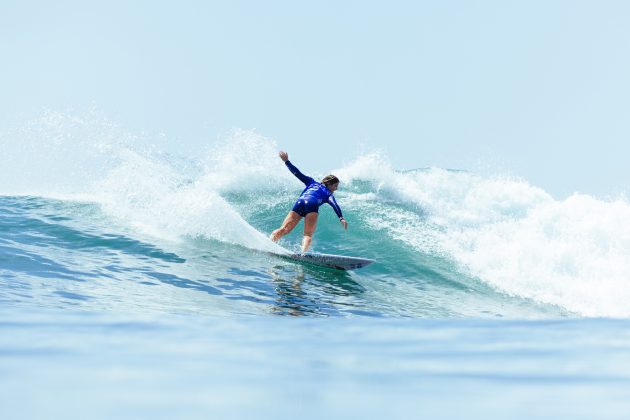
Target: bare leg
x=289, y=223
x=310, y=223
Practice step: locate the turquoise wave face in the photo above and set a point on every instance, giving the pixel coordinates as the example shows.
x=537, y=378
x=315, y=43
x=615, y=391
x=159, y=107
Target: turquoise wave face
x=70, y=254
x=447, y=243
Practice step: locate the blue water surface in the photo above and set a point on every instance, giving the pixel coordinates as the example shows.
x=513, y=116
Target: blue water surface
x=88, y=365
x=99, y=320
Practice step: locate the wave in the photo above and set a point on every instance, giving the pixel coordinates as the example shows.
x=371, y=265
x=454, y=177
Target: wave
x=507, y=233
x=497, y=230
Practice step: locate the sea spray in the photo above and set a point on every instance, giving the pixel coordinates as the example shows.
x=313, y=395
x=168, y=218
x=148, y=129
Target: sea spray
x=59, y=153
x=431, y=226
x=509, y=234
x=162, y=202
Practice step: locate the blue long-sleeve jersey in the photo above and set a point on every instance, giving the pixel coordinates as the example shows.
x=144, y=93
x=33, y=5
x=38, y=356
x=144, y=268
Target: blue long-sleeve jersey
x=315, y=192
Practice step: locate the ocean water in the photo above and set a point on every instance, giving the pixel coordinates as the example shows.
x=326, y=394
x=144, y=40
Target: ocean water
x=138, y=283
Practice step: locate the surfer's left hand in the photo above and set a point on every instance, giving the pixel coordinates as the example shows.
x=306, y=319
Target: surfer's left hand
x=344, y=223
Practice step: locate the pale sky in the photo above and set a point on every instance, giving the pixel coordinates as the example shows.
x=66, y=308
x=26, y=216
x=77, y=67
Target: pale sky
x=537, y=89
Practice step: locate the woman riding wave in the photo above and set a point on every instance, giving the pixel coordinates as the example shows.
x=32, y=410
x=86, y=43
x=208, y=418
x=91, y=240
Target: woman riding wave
x=307, y=205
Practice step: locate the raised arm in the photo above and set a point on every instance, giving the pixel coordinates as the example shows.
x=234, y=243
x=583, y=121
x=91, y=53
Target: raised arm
x=307, y=180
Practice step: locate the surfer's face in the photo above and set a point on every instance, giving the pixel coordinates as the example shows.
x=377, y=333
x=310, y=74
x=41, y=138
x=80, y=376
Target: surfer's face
x=333, y=187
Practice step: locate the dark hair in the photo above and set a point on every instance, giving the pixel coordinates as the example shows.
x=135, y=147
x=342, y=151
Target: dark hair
x=330, y=180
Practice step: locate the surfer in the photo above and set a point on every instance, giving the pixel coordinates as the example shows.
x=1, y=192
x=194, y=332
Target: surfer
x=307, y=205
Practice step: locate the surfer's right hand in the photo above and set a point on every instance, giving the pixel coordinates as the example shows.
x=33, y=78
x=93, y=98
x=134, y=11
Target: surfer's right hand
x=344, y=223
x=283, y=155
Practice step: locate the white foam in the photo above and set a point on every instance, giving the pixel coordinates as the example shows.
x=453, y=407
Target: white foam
x=156, y=198
x=511, y=235
x=88, y=157
x=516, y=237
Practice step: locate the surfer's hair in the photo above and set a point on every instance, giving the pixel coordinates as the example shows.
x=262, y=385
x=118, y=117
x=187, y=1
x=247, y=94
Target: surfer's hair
x=330, y=180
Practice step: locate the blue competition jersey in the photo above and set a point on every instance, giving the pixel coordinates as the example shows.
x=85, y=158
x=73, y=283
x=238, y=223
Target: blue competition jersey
x=315, y=194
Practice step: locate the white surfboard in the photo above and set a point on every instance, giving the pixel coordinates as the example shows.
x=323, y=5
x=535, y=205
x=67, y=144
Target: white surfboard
x=340, y=262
